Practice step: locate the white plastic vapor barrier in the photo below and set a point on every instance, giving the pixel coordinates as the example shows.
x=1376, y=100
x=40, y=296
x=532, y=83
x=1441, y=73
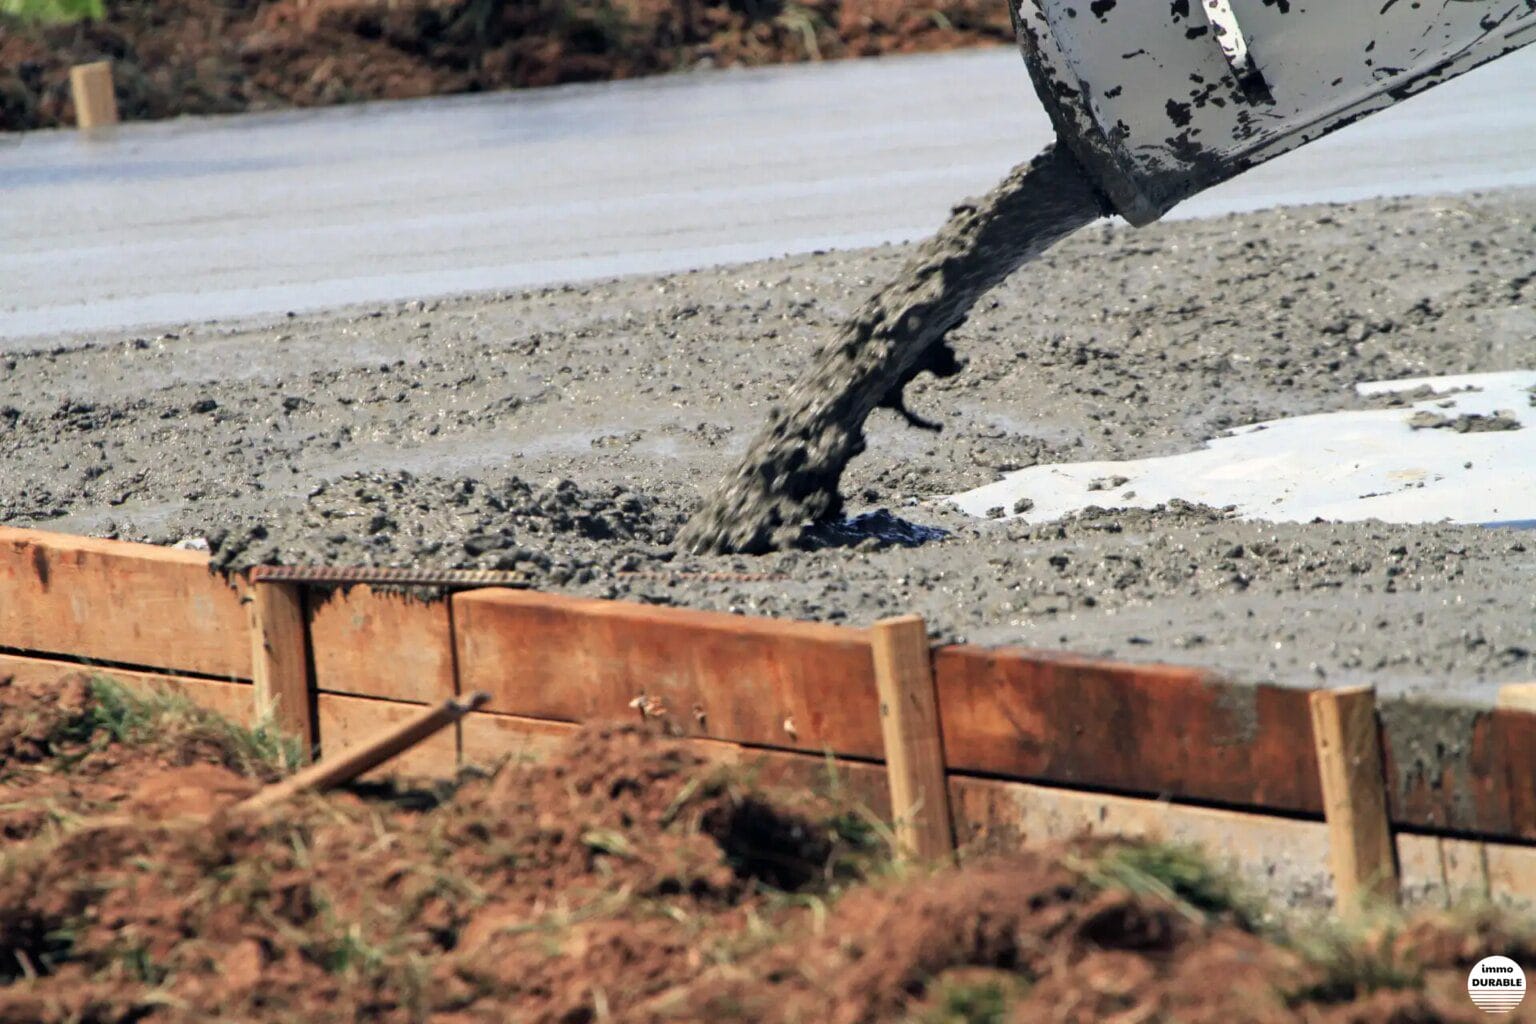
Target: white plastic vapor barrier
x=1465, y=455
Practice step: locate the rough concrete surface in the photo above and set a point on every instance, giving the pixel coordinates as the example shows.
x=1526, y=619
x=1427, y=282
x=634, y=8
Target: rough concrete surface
x=570, y=431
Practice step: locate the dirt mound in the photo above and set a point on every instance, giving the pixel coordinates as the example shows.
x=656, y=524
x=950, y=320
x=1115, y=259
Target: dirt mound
x=32, y=721
x=86, y=748
x=198, y=57
x=629, y=880
x=349, y=909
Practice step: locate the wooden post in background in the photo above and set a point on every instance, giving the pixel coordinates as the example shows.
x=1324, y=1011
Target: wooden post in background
x=1349, y=761
x=1519, y=696
x=914, y=749
x=91, y=86
x=280, y=660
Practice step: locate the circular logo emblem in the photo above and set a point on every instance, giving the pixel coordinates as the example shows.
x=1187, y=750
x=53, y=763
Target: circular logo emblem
x=1496, y=984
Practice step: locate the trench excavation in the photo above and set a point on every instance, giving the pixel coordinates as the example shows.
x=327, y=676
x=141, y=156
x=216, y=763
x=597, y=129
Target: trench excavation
x=789, y=478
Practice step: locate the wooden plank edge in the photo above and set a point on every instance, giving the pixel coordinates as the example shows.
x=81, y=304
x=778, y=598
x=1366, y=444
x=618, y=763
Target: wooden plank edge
x=233, y=700
x=1518, y=697
x=52, y=540
x=154, y=608
x=771, y=682
x=609, y=608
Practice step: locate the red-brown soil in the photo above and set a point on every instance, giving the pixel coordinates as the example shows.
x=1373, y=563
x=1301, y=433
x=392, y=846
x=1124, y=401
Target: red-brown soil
x=218, y=56
x=627, y=880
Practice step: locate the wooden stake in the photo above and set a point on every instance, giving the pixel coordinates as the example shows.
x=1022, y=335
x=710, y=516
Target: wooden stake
x=914, y=749
x=1349, y=764
x=1519, y=696
x=280, y=660
x=354, y=761
x=95, y=102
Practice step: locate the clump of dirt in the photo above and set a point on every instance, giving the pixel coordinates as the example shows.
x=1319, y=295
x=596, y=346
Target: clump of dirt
x=1026, y=927
x=400, y=519
x=87, y=747
x=1465, y=423
x=628, y=879
x=198, y=57
x=33, y=721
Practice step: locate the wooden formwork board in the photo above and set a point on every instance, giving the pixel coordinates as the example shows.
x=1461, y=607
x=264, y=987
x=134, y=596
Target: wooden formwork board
x=1347, y=738
x=91, y=88
x=486, y=740
x=489, y=738
x=279, y=638
x=1026, y=716
x=1147, y=729
x=1190, y=734
x=235, y=701
x=914, y=748
x=386, y=644
x=133, y=604
x=1460, y=769
x=344, y=721
x=764, y=682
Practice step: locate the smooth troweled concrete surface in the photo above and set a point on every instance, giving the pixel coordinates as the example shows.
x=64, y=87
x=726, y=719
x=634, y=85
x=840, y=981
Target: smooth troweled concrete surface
x=225, y=217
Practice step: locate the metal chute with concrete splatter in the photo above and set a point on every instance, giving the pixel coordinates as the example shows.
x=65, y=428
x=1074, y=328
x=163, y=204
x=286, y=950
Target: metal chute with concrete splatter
x=1161, y=99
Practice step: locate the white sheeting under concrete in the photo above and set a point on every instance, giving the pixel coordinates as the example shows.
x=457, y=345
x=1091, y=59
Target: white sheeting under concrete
x=1341, y=466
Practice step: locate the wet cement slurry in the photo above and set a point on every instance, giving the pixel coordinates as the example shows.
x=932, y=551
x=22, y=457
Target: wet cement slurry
x=788, y=481
x=570, y=431
x=382, y=202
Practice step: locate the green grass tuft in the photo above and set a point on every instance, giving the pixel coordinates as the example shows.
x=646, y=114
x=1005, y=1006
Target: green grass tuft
x=168, y=720
x=53, y=12
x=968, y=999
x=1181, y=874
x=1350, y=965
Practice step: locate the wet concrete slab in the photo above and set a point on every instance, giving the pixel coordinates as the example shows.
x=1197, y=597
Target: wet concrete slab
x=568, y=431
x=218, y=218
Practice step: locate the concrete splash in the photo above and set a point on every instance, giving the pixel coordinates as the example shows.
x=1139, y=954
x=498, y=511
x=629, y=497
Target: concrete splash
x=790, y=476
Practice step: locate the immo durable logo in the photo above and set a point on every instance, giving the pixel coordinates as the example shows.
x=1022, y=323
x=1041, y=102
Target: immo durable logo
x=1496, y=984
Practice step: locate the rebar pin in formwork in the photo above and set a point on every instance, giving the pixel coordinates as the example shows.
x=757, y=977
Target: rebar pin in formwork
x=344, y=576
x=693, y=576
